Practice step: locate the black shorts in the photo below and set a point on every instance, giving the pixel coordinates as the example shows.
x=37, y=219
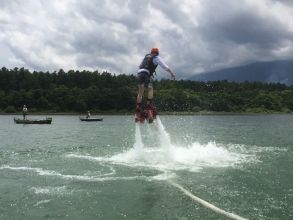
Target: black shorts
x=145, y=78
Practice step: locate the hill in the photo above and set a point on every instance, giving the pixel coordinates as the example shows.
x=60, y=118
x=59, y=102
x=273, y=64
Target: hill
x=267, y=72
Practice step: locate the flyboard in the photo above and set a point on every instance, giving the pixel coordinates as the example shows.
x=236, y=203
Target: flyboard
x=149, y=115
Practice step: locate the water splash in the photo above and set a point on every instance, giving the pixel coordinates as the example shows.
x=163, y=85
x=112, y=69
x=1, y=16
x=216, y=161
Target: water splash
x=138, y=145
x=164, y=138
x=155, y=150
x=193, y=158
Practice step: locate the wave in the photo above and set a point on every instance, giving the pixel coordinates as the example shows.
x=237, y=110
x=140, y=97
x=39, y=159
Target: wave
x=48, y=190
x=45, y=201
x=43, y=172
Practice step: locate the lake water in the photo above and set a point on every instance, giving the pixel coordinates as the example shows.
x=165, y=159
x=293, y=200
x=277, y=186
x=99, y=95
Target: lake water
x=180, y=167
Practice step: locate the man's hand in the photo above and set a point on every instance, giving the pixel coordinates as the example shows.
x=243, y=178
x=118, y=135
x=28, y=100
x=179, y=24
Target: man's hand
x=173, y=76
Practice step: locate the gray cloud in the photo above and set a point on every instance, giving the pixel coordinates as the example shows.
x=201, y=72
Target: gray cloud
x=193, y=36
x=242, y=25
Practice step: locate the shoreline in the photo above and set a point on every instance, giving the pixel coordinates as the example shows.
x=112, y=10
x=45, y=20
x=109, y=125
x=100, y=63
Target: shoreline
x=160, y=113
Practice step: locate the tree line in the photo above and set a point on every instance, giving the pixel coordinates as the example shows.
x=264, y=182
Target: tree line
x=79, y=91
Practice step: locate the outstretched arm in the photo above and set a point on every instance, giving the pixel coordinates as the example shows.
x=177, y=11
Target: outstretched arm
x=159, y=61
x=173, y=75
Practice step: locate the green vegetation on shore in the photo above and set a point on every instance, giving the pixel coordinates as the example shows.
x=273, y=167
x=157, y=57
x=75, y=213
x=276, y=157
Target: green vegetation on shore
x=79, y=91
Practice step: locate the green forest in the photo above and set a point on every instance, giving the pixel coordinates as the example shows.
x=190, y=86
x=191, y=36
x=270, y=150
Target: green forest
x=79, y=91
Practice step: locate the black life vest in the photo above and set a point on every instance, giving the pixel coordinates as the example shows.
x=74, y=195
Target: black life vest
x=147, y=63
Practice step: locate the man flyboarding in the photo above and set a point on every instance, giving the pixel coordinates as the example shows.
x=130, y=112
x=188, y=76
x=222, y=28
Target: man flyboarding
x=145, y=78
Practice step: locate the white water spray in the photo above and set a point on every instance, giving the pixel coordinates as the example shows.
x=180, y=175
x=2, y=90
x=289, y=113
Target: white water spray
x=138, y=146
x=164, y=138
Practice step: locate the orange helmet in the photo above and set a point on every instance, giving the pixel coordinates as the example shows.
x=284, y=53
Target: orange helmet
x=155, y=50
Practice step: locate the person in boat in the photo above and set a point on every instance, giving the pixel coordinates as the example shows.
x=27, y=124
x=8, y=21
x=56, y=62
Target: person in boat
x=24, y=112
x=88, y=115
x=145, y=77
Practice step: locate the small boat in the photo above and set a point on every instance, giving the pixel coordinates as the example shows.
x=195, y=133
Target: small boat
x=91, y=119
x=33, y=121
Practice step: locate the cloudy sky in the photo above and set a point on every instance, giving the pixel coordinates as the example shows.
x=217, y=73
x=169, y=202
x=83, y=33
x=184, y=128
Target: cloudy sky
x=193, y=35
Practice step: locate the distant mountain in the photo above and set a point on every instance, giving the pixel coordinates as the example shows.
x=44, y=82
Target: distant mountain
x=274, y=71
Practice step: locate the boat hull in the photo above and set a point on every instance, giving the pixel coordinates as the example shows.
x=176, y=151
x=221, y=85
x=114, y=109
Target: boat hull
x=33, y=121
x=91, y=119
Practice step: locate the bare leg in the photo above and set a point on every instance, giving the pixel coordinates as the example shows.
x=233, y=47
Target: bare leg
x=139, y=117
x=150, y=95
x=140, y=93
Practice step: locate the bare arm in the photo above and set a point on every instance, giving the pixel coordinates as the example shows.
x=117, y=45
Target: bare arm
x=158, y=60
x=173, y=75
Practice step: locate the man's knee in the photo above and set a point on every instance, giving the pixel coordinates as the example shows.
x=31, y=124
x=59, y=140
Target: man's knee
x=141, y=88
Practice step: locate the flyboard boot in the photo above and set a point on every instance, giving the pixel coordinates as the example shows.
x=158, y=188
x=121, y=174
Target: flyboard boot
x=151, y=112
x=139, y=114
